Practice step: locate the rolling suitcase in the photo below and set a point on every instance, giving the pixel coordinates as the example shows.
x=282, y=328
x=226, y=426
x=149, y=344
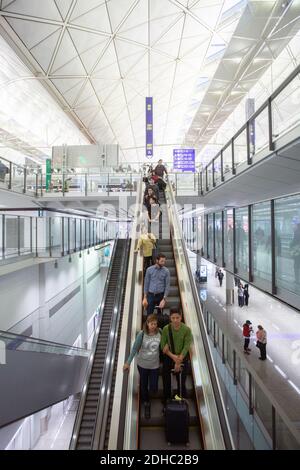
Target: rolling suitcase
x=177, y=420
x=162, y=318
x=177, y=411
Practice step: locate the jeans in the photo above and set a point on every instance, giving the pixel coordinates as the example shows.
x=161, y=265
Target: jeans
x=148, y=381
x=168, y=365
x=246, y=344
x=153, y=300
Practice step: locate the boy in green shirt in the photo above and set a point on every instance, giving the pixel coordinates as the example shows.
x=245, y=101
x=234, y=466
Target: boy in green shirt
x=177, y=360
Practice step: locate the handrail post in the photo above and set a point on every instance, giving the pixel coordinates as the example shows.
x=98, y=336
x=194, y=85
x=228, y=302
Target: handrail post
x=270, y=119
x=232, y=156
x=10, y=176
x=249, y=158
x=25, y=178
x=222, y=167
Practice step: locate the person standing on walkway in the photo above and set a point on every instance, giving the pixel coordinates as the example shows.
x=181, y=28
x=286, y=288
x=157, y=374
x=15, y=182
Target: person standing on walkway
x=261, y=343
x=147, y=349
x=147, y=243
x=246, y=294
x=247, y=329
x=156, y=285
x=220, y=276
x=241, y=295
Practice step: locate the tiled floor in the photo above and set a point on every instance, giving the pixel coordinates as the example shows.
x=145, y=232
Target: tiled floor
x=59, y=432
x=281, y=373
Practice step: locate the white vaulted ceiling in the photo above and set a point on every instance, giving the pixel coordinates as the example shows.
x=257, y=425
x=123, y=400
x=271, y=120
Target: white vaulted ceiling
x=102, y=58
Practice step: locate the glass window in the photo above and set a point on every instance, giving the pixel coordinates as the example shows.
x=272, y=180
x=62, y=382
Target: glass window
x=284, y=438
x=261, y=242
x=229, y=355
x=228, y=239
x=218, y=237
x=241, y=241
x=210, y=241
x=205, y=247
x=262, y=407
x=287, y=243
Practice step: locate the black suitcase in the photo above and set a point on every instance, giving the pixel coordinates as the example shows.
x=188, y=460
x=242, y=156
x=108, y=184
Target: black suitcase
x=177, y=420
x=162, y=318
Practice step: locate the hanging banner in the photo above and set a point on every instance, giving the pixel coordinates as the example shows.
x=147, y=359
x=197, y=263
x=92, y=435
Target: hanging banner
x=184, y=159
x=149, y=127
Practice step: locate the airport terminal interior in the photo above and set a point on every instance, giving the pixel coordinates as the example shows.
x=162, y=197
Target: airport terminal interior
x=150, y=225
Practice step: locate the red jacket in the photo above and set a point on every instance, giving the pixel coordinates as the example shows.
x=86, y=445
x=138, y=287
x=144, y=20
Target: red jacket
x=246, y=330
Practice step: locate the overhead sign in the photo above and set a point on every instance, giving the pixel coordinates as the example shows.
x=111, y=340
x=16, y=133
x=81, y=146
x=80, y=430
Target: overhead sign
x=184, y=159
x=149, y=127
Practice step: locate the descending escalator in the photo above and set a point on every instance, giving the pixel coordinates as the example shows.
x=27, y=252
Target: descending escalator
x=152, y=431
x=99, y=379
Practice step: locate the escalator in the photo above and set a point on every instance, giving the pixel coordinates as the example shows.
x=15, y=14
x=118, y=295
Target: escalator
x=152, y=431
x=93, y=418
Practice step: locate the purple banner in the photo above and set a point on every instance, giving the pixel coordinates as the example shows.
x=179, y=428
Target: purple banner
x=149, y=127
x=184, y=159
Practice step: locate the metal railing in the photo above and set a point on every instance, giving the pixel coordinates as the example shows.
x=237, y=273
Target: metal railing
x=51, y=237
x=18, y=342
x=215, y=426
x=257, y=137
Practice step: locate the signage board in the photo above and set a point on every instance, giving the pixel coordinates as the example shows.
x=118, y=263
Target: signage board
x=184, y=159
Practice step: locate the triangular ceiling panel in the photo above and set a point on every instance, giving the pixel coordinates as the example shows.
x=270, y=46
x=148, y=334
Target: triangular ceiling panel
x=31, y=36
x=69, y=88
x=74, y=67
x=86, y=93
x=136, y=25
x=64, y=7
x=84, y=6
x=43, y=52
x=104, y=88
x=96, y=18
x=117, y=14
x=170, y=42
x=38, y=8
x=65, y=53
x=89, y=45
x=128, y=57
x=209, y=14
x=108, y=67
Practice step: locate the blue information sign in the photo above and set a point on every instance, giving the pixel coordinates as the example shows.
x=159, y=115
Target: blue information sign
x=184, y=159
x=149, y=127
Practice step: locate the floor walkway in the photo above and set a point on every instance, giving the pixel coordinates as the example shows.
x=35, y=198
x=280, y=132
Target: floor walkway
x=281, y=372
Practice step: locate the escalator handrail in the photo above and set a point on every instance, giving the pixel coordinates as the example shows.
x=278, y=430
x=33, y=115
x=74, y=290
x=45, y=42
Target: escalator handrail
x=107, y=377
x=212, y=371
x=81, y=406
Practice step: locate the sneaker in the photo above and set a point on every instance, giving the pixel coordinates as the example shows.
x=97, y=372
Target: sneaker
x=246, y=352
x=147, y=410
x=248, y=349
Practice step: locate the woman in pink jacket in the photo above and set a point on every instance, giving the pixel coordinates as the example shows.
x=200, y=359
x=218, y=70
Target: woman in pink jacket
x=261, y=336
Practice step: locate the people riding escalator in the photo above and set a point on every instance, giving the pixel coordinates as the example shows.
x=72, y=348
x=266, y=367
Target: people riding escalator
x=147, y=243
x=156, y=285
x=178, y=359
x=147, y=349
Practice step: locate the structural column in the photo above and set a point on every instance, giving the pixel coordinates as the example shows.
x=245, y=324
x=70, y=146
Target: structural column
x=84, y=331
x=40, y=329
x=229, y=288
